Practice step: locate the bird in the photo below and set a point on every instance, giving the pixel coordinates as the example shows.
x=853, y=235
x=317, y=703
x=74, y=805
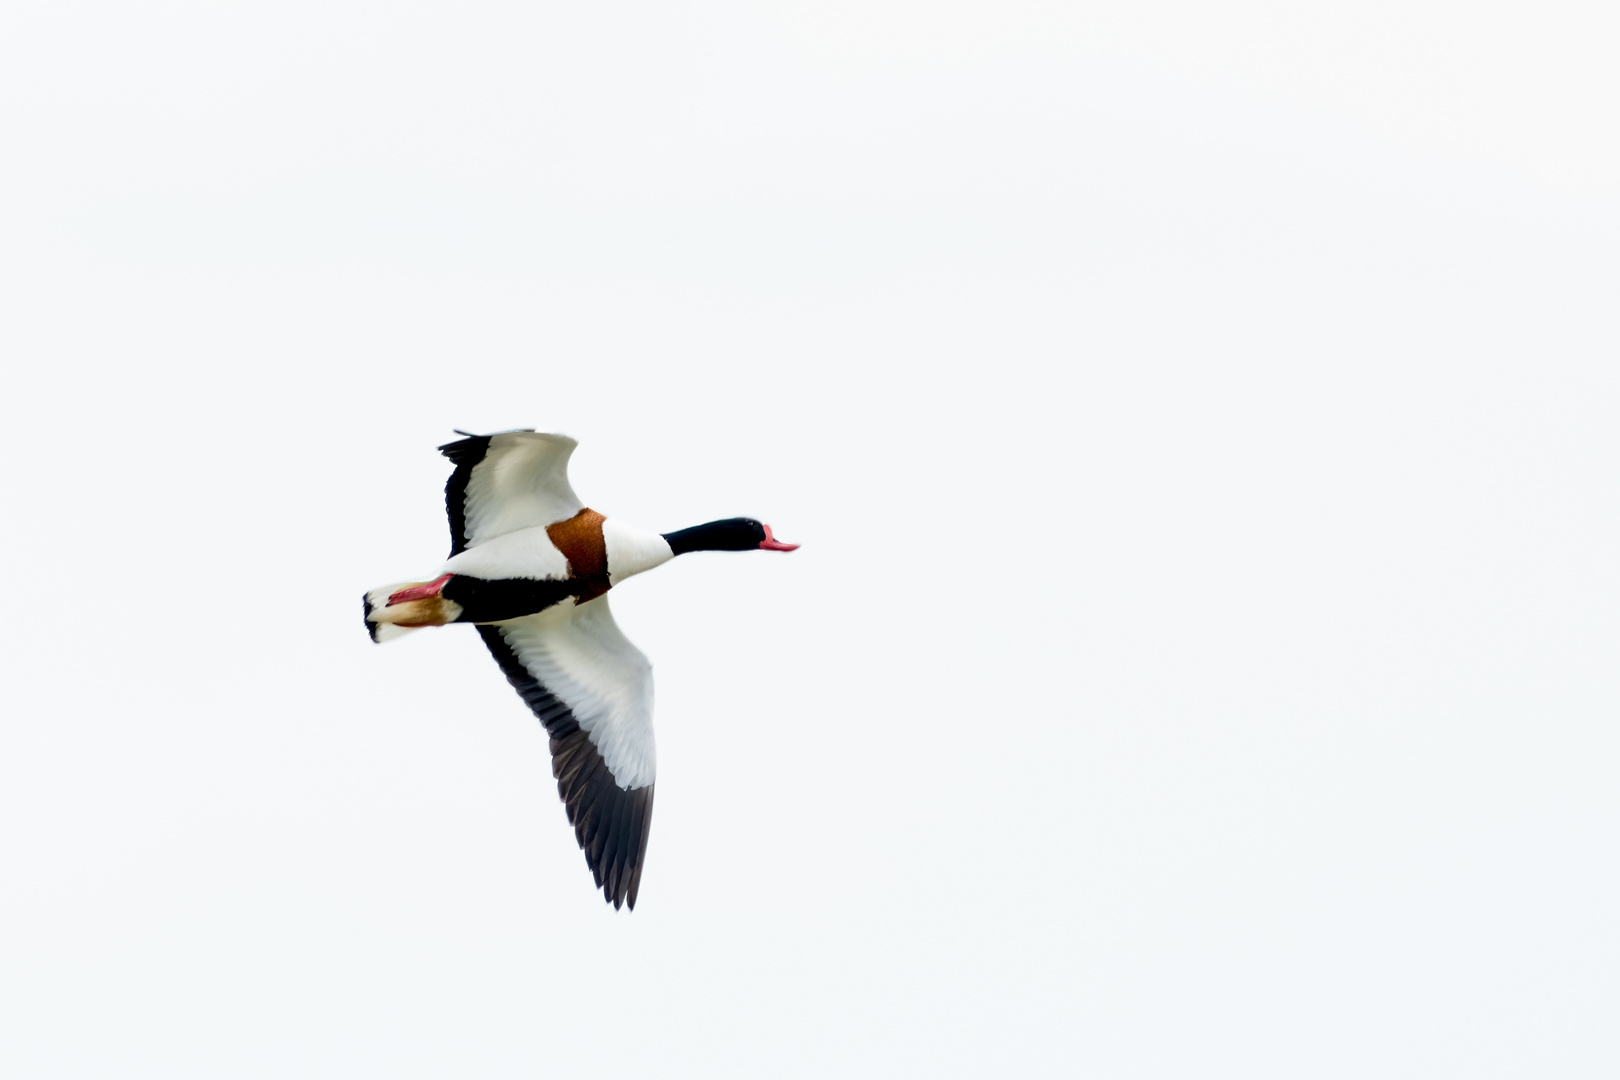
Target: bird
x=530, y=568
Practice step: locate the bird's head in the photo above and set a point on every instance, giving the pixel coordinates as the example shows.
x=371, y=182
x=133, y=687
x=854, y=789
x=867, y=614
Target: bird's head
x=730, y=534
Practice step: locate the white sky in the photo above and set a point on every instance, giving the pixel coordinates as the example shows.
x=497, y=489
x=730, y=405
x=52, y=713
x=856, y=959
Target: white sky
x=1199, y=421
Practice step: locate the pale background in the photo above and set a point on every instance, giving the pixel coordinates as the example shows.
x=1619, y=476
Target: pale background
x=1200, y=422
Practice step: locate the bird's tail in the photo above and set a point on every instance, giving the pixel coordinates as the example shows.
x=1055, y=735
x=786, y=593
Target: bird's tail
x=377, y=599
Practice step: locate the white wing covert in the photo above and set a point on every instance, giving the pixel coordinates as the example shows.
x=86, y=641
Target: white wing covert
x=505, y=482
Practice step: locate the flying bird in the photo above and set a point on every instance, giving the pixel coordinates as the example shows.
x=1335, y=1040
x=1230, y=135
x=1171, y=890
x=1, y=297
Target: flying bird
x=530, y=566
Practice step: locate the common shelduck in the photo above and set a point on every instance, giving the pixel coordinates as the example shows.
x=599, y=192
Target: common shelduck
x=530, y=567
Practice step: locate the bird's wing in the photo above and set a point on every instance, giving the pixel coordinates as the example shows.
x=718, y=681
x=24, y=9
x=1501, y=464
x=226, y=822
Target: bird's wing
x=593, y=691
x=502, y=483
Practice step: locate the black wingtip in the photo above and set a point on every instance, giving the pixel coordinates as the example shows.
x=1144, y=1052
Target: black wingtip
x=371, y=627
x=492, y=434
x=610, y=823
x=465, y=454
x=472, y=448
x=638, y=841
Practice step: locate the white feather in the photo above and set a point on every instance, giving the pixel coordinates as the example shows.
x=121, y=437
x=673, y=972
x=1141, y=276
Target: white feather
x=521, y=483
x=526, y=553
x=383, y=632
x=386, y=632
x=378, y=597
x=581, y=656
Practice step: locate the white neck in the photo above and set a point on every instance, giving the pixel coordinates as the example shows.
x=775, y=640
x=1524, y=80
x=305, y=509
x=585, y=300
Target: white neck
x=631, y=551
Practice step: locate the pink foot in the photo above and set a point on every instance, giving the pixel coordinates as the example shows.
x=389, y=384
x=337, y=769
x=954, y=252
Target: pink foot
x=420, y=592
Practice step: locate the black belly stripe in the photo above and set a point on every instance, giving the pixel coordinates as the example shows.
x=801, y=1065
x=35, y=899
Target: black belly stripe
x=505, y=598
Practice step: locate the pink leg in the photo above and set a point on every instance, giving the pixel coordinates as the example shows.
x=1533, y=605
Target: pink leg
x=420, y=592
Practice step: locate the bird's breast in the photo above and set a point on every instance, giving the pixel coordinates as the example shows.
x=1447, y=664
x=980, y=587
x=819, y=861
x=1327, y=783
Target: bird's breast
x=579, y=538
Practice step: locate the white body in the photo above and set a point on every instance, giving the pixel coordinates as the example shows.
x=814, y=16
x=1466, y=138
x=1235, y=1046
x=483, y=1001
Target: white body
x=529, y=553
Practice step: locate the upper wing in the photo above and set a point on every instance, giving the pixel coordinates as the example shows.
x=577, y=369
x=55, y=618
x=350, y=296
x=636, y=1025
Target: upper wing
x=592, y=689
x=514, y=480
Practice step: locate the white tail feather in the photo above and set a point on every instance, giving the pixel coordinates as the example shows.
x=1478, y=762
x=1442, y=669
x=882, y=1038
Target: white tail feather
x=385, y=632
x=378, y=598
